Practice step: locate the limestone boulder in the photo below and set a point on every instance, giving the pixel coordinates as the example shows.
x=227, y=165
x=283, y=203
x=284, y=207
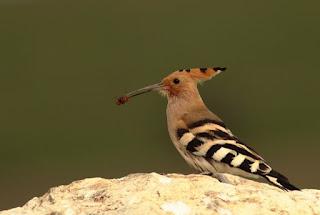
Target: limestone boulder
x=170, y=194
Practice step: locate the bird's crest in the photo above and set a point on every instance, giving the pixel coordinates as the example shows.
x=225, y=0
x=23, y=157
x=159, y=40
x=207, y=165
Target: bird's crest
x=203, y=74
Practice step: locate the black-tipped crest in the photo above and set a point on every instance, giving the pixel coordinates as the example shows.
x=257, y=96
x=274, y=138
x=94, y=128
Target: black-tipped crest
x=220, y=68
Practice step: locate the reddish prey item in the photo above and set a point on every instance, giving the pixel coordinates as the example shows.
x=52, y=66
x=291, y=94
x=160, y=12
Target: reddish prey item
x=122, y=100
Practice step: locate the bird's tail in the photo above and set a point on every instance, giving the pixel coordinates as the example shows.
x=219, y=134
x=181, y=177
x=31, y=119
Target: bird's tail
x=279, y=180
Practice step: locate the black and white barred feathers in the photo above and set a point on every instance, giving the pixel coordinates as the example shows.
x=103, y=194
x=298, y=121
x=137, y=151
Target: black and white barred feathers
x=211, y=140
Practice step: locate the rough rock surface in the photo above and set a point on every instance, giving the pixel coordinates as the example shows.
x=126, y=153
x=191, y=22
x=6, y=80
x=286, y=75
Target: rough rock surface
x=170, y=194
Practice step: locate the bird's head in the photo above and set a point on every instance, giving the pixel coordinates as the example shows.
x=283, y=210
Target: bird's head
x=176, y=83
x=186, y=80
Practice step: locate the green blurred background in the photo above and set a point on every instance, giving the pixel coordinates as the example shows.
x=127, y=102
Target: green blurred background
x=63, y=62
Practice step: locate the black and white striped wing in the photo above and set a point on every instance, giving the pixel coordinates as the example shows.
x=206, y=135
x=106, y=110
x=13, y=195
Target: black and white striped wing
x=212, y=140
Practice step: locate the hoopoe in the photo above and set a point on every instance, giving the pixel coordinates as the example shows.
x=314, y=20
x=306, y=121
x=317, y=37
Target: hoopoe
x=200, y=136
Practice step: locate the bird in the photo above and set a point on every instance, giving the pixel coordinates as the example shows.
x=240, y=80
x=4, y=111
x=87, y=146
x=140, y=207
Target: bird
x=200, y=136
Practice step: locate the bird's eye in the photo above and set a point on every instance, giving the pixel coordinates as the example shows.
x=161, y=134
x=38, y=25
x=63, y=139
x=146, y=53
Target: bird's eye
x=176, y=81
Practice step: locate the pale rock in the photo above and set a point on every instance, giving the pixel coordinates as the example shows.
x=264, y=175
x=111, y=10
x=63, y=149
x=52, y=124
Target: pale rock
x=170, y=194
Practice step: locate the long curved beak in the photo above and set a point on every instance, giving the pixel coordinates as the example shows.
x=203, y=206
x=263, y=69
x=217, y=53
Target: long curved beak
x=125, y=98
x=147, y=89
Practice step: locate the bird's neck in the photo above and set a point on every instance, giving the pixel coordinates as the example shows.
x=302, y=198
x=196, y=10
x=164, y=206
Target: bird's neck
x=184, y=104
